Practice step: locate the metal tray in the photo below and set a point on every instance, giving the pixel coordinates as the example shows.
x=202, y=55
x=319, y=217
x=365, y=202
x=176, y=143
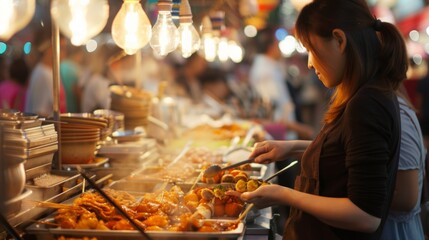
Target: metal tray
x=139, y=187
x=45, y=232
x=37, y=171
x=43, y=193
x=30, y=211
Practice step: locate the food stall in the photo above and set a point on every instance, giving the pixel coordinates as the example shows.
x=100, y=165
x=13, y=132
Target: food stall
x=61, y=173
x=133, y=169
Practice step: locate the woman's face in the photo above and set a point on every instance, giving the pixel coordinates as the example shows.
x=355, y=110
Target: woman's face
x=329, y=62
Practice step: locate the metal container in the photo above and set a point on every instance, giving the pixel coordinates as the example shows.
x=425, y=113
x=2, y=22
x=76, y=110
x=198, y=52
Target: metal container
x=14, y=177
x=13, y=206
x=38, y=171
x=41, y=193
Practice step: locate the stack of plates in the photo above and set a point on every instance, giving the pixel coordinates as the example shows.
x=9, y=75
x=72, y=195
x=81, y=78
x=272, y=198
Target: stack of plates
x=18, y=120
x=80, y=135
x=133, y=103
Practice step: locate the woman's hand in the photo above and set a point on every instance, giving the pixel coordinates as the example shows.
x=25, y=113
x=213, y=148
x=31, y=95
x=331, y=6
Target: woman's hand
x=271, y=151
x=264, y=196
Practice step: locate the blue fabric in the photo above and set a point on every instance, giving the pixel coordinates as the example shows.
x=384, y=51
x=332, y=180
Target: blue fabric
x=407, y=225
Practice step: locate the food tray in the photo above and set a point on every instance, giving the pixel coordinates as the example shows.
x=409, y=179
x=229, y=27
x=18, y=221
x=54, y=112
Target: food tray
x=41, y=193
x=45, y=232
x=138, y=187
x=37, y=171
x=30, y=211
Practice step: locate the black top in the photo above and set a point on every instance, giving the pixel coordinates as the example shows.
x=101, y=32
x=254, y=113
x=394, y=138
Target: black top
x=358, y=151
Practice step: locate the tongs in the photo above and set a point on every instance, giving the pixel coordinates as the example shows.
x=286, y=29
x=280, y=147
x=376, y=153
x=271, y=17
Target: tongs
x=249, y=206
x=215, y=169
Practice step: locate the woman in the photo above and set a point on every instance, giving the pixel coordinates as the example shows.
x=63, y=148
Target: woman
x=347, y=174
x=403, y=221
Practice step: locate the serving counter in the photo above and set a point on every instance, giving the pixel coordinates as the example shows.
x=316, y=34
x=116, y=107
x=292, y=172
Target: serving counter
x=145, y=160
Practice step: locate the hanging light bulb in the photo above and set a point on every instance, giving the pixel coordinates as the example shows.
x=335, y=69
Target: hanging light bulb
x=208, y=42
x=131, y=28
x=15, y=15
x=189, y=37
x=222, y=49
x=80, y=20
x=165, y=37
x=235, y=50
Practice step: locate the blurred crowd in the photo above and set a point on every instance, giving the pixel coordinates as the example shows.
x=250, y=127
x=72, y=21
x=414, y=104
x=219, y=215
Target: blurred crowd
x=278, y=92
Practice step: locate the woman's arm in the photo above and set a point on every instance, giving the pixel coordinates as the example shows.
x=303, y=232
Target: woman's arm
x=406, y=192
x=271, y=151
x=336, y=212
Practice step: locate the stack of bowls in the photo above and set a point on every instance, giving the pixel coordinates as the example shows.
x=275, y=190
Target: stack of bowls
x=134, y=103
x=80, y=136
x=115, y=120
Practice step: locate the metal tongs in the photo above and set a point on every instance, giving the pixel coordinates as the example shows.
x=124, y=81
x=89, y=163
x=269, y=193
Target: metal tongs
x=250, y=206
x=243, y=214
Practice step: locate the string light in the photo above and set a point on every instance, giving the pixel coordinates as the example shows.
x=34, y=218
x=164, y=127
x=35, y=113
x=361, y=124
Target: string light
x=165, y=36
x=80, y=20
x=14, y=16
x=131, y=28
x=189, y=37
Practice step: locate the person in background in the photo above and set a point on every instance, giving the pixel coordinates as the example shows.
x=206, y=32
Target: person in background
x=422, y=102
x=348, y=172
x=70, y=74
x=13, y=89
x=216, y=93
x=403, y=221
x=40, y=96
x=187, y=84
x=96, y=92
x=268, y=77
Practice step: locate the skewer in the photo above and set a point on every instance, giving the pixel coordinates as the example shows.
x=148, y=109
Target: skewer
x=55, y=205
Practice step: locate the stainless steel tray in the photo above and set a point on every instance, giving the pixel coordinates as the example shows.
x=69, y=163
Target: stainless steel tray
x=43, y=193
x=29, y=211
x=43, y=231
x=37, y=171
x=139, y=187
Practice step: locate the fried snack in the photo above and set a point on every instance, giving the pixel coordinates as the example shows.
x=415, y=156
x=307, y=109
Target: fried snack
x=241, y=186
x=252, y=185
x=227, y=178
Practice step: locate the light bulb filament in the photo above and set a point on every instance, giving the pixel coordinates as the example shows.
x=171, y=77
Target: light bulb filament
x=78, y=24
x=6, y=15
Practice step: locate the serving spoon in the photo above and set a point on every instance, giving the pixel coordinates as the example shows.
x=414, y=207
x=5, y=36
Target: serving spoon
x=215, y=169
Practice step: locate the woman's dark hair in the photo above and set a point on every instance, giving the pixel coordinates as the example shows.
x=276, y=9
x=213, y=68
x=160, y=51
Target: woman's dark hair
x=19, y=71
x=375, y=50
